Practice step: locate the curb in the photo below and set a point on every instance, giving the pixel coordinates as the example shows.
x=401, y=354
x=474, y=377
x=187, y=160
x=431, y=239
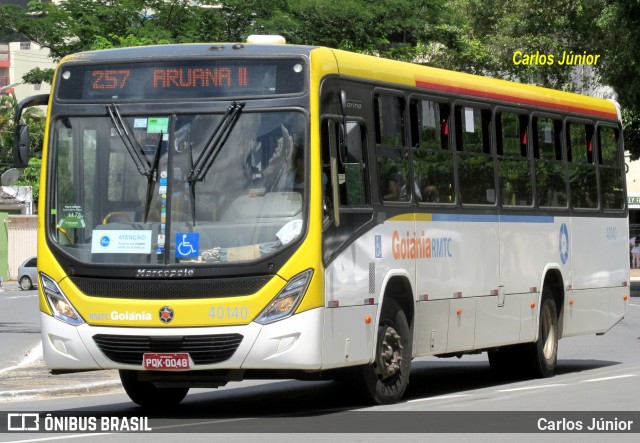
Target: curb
x=89, y=389
x=30, y=379
x=10, y=286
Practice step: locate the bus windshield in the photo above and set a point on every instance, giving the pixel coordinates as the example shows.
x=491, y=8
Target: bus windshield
x=196, y=188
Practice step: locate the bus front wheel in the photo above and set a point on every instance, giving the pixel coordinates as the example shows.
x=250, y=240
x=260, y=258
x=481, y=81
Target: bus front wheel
x=386, y=379
x=147, y=395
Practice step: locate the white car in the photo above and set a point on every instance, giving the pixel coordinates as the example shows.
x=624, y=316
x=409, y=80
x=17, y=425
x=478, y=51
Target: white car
x=28, y=274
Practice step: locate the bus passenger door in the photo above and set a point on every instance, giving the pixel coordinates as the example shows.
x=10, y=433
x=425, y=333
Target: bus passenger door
x=347, y=251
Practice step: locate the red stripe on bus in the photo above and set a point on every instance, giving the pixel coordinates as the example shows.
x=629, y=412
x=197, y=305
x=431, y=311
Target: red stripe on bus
x=511, y=98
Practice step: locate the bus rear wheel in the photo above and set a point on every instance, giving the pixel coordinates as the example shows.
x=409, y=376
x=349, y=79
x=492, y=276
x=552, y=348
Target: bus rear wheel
x=386, y=379
x=543, y=354
x=148, y=395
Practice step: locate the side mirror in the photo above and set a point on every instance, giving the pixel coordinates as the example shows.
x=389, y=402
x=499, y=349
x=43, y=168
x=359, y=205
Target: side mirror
x=22, y=140
x=21, y=144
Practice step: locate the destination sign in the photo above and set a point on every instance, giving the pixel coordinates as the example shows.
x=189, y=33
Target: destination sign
x=184, y=79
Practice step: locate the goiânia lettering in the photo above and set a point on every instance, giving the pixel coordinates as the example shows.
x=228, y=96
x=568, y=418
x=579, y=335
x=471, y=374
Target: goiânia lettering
x=413, y=246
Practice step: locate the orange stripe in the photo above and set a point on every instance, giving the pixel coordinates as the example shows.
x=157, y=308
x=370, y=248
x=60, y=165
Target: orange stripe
x=514, y=99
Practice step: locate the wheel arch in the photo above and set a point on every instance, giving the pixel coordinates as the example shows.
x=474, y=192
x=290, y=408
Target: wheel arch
x=553, y=280
x=397, y=286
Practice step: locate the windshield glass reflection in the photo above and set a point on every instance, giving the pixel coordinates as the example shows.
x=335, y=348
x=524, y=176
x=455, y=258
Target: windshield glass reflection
x=242, y=201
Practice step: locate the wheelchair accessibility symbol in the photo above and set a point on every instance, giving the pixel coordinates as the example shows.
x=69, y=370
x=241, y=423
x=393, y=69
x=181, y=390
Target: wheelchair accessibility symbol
x=187, y=244
x=564, y=243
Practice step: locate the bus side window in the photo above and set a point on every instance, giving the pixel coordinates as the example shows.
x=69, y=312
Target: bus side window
x=393, y=166
x=514, y=169
x=352, y=163
x=611, y=170
x=432, y=159
x=352, y=171
x=550, y=168
x=583, y=183
x=476, y=174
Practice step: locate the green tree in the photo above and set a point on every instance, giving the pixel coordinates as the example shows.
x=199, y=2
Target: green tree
x=614, y=34
x=33, y=117
x=79, y=25
x=495, y=29
x=401, y=29
x=544, y=27
x=31, y=177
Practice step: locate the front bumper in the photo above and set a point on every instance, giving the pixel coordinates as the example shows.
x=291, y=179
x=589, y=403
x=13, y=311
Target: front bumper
x=292, y=343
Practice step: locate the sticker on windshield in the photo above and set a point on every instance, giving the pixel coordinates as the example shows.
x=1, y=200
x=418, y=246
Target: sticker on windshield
x=105, y=241
x=156, y=125
x=140, y=123
x=187, y=244
x=72, y=217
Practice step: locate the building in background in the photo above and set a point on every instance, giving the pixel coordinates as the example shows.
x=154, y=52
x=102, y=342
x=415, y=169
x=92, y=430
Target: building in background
x=18, y=225
x=19, y=56
x=18, y=229
x=633, y=195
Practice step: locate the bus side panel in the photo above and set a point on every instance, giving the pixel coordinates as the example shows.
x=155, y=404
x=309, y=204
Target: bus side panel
x=527, y=245
x=466, y=267
x=348, y=338
x=600, y=264
x=353, y=282
x=618, y=304
x=431, y=327
x=529, y=317
x=461, y=264
x=586, y=311
x=497, y=325
x=462, y=324
x=599, y=252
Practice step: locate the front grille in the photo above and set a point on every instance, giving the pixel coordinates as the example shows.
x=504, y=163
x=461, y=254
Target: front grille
x=203, y=349
x=169, y=289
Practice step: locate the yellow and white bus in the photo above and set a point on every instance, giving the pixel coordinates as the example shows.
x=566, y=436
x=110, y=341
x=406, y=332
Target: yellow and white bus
x=218, y=212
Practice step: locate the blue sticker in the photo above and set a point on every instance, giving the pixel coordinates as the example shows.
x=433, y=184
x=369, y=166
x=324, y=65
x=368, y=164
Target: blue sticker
x=378, y=246
x=105, y=240
x=187, y=244
x=564, y=243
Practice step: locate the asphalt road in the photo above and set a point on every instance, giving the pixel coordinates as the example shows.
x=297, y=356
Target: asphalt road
x=19, y=324
x=595, y=373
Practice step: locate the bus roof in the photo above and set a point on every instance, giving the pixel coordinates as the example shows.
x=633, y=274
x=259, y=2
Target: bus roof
x=188, y=50
x=471, y=86
x=386, y=71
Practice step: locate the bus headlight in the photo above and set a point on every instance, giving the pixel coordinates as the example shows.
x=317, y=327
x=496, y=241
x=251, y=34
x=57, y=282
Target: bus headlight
x=62, y=309
x=287, y=300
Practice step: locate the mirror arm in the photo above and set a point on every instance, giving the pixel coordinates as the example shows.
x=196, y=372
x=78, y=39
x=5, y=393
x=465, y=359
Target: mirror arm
x=342, y=143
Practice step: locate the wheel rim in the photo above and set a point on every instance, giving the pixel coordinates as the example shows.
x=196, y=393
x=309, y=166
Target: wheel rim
x=390, y=355
x=549, y=332
x=25, y=283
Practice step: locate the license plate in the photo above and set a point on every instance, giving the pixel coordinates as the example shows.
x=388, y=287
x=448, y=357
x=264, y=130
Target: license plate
x=163, y=362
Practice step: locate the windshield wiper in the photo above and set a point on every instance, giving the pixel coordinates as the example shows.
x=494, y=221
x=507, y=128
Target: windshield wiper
x=218, y=138
x=138, y=155
x=135, y=150
x=152, y=178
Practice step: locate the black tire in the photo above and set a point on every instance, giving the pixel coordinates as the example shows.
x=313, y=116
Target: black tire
x=25, y=283
x=543, y=354
x=147, y=395
x=386, y=379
